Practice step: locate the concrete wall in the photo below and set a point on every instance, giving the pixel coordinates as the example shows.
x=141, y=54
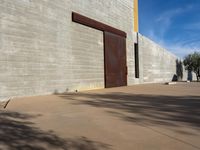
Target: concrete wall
x=191, y=76
x=42, y=51
x=156, y=63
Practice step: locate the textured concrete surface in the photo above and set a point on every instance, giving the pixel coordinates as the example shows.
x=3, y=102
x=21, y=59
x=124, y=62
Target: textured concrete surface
x=156, y=63
x=42, y=51
x=142, y=117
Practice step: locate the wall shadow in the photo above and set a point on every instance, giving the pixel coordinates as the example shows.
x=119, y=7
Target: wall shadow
x=18, y=133
x=149, y=109
x=175, y=78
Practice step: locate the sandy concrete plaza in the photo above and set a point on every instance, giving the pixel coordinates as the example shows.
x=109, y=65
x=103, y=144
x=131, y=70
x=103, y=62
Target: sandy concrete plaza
x=141, y=117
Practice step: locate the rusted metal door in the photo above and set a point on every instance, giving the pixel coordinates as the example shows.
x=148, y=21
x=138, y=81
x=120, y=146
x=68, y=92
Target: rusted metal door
x=115, y=60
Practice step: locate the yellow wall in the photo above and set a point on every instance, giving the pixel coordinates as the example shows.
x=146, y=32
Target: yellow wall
x=136, y=28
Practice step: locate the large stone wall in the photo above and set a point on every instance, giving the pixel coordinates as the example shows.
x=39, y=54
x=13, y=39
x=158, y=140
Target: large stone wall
x=42, y=51
x=156, y=63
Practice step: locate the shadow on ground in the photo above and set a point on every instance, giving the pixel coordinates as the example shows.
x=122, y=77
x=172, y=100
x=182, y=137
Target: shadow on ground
x=17, y=132
x=149, y=109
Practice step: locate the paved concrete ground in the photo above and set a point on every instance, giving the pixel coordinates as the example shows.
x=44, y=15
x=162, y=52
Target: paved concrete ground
x=142, y=117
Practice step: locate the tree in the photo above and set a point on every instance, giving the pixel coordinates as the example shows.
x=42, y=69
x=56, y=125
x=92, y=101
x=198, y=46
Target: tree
x=179, y=70
x=192, y=63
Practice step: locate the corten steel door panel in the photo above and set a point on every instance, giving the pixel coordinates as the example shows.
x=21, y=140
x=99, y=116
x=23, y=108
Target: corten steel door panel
x=115, y=60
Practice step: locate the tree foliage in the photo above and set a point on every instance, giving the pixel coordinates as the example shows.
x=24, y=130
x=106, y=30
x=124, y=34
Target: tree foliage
x=179, y=70
x=192, y=63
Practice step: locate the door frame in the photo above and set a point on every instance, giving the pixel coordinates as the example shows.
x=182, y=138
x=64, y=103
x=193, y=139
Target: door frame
x=96, y=24
x=80, y=19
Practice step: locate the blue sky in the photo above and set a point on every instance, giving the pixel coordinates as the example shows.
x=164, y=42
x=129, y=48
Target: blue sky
x=174, y=24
